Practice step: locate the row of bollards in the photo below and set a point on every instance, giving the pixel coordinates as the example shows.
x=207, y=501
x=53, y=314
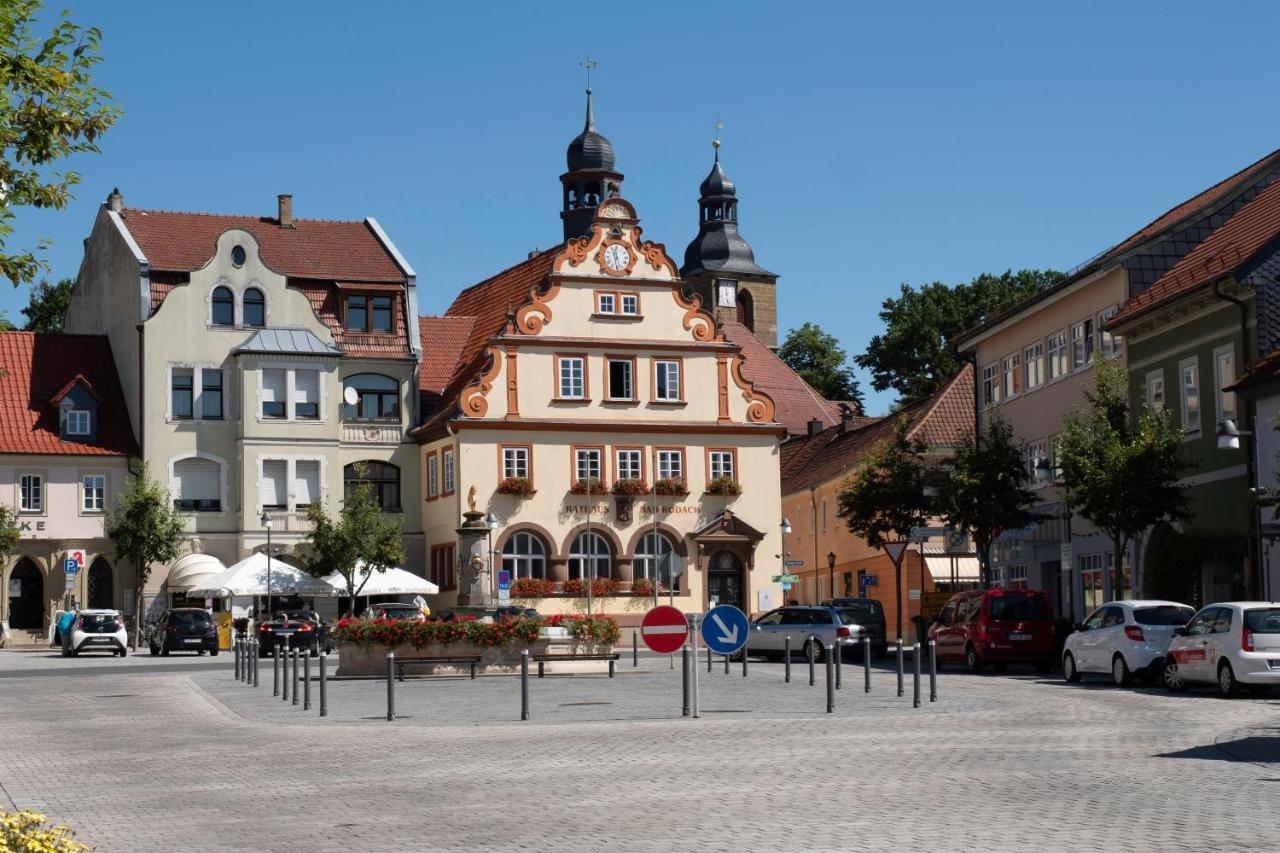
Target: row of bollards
x=284, y=670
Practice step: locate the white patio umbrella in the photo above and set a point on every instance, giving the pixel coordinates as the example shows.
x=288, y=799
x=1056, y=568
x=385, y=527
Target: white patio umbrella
x=393, y=581
x=249, y=578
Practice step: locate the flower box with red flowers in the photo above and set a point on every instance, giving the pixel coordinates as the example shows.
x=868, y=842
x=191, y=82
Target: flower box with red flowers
x=589, y=485
x=671, y=487
x=629, y=487
x=521, y=487
x=726, y=487
x=530, y=588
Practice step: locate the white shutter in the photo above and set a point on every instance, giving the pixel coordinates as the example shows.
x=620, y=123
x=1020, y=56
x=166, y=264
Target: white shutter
x=306, y=386
x=273, y=385
x=196, y=479
x=306, y=483
x=275, y=482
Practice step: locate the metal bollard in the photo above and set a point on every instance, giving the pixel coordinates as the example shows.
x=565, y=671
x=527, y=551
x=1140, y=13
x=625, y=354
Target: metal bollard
x=254, y=660
x=524, y=684
x=831, y=681
x=324, y=686
x=901, y=692
x=284, y=672
x=275, y=670
x=236, y=654
x=306, y=683
x=295, y=676
x=786, y=657
x=708, y=659
x=933, y=670
x=839, y=664
x=391, y=686
x=744, y=661
x=635, y=650
x=813, y=659
x=684, y=677
x=915, y=688
x=726, y=664
x=866, y=664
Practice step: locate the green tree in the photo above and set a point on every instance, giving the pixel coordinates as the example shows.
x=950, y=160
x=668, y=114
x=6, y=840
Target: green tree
x=144, y=526
x=51, y=111
x=47, y=309
x=822, y=362
x=884, y=499
x=985, y=489
x=916, y=354
x=1118, y=471
x=361, y=534
x=10, y=532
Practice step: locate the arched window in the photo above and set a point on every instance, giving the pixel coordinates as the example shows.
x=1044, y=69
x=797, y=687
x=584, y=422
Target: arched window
x=255, y=307
x=100, y=591
x=746, y=309
x=590, y=557
x=656, y=557
x=525, y=556
x=224, y=307
x=382, y=478
x=377, y=398
x=197, y=485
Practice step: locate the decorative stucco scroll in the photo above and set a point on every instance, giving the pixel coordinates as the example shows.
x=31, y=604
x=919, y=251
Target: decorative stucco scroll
x=760, y=406
x=536, y=313
x=473, y=401
x=697, y=321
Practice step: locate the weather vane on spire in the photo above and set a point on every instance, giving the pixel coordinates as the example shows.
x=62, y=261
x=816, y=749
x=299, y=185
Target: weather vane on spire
x=719, y=126
x=588, y=64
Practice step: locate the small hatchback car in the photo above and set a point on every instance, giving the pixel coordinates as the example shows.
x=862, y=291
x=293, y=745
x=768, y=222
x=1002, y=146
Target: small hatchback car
x=185, y=629
x=1124, y=639
x=1234, y=645
x=96, y=631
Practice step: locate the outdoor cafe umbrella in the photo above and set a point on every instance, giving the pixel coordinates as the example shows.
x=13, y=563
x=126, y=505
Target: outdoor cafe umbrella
x=249, y=578
x=393, y=581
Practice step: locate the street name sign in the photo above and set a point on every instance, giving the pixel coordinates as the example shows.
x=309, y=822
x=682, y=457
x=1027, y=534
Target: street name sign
x=664, y=629
x=786, y=578
x=869, y=580
x=725, y=629
x=793, y=564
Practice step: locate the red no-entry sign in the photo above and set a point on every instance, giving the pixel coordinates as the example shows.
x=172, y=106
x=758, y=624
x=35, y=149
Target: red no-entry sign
x=664, y=629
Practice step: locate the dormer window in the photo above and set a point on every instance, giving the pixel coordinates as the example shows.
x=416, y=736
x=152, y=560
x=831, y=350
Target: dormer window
x=369, y=313
x=224, y=307
x=78, y=422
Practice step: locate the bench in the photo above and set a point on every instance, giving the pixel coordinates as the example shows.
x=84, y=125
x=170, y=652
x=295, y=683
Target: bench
x=543, y=659
x=401, y=663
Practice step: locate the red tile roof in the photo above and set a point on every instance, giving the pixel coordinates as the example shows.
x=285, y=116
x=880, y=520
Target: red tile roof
x=443, y=339
x=941, y=419
x=34, y=368
x=313, y=248
x=1224, y=251
x=795, y=401
x=1266, y=369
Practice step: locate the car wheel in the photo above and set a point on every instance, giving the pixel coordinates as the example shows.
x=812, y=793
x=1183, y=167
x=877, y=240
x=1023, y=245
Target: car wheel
x=212, y=653
x=1227, y=684
x=1069, y=671
x=124, y=653
x=813, y=651
x=1120, y=675
x=972, y=663
x=1173, y=680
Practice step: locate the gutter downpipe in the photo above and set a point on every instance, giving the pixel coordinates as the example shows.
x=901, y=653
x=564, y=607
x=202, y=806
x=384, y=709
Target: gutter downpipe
x=1252, y=573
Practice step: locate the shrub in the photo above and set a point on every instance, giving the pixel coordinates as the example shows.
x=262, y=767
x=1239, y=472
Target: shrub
x=645, y=586
x=394, y=632
x=600, y=587
x=593, y=484
x=673, y=486
x=599, y=629
x=521, y=487
x=532, y=588
x=30, y=832
x=630, y=486
x=726, y=486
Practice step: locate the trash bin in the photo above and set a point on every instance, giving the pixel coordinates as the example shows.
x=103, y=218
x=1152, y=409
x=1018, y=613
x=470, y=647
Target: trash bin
x=224, y=631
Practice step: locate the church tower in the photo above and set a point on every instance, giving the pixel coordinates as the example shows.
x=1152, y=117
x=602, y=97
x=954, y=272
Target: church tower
x=720, y=266
x=591, y=177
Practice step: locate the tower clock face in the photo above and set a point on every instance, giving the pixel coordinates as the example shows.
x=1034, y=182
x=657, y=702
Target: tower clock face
x=616, y=257
x=728, y=295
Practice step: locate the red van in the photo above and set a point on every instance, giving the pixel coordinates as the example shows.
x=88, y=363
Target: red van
x=997, y=627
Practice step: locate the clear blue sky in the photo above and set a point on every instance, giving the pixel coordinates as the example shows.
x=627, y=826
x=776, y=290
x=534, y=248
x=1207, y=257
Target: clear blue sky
x=871, y=144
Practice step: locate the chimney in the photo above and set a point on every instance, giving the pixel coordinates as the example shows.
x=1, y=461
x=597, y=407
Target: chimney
x=815, y=426
x=846, y=417
x=115, y=201
x=285, y=210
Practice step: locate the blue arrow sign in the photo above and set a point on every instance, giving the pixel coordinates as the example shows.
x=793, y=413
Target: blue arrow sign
x=725, y=629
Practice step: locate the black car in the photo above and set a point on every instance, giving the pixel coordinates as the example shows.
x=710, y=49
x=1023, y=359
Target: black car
x=869, y=614
x=504, y=613
x=294, y=629
x=185, y=629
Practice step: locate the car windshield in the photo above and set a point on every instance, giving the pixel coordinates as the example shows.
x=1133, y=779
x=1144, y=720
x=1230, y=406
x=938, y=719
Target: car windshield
x=1263, y=621
x=97, y=620
x=301, y=616
x=190, y=618
x=861, y=609
x=1019, y=609
x=397, y=612
x=856, y=615
x=1163, y=615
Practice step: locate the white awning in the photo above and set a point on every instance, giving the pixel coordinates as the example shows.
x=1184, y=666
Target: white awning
x=390, y=582
x=249, y=577
x=192, y=570
x=966, y=567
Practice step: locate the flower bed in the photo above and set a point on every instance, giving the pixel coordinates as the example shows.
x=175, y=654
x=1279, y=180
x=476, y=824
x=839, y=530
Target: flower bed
x=629, y=487
x=671, y=487
x=399, y=632
x=598, y=629
x=600, y=587
x=530, y=588
x=521, y=487
x=589, y=485
x=645, y=586
x=725, y=487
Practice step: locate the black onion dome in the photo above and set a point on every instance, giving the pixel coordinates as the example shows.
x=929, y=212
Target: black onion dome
x=589, y=150
x=717, y=183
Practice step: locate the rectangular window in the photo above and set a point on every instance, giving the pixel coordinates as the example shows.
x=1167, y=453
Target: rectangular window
x=621, y=384
x=666, y=382
x=94, y=493
x=211, y=394
x=357, y=313
x=1190, y=372
x=446, y=469
x=607, y=303
x=433, y=476
x=306, y=483
x=1011, y=367
x=586, y=464
x=573, y=377
x=1057, y=355
x=1109, y=344
x=670, y=464
x=31, y=493
x=442, y=566
x=630, y=464
x=720, y=464
x=630, y=304
x=380, y=316
x=1224, y=375
x=991, y=384
x=1033, y=366
x=1081, y=344
x=1018, y=576
x=181, y=394
x=306, y=394
x=1155, y=389
x=1036, y=450
x=515, y=462
x=78, y=422
x=275, y=484
x=274, y=382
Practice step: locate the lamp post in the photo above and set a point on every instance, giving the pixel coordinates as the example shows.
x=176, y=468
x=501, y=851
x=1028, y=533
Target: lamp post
x=831, y=573
x=491, y=524
x=786, y=528
x=1044, y=472
x=266, y=522
x=1229, y=439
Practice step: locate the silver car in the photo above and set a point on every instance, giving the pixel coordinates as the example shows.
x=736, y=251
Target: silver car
x=811, y=627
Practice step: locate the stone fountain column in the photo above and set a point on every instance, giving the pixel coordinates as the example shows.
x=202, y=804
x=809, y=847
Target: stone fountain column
x=475, y=588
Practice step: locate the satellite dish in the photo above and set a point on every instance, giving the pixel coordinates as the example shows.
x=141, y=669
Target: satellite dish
x=350, y=396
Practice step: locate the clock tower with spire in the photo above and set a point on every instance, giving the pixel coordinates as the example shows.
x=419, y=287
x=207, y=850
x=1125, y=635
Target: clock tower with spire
x=591, y=177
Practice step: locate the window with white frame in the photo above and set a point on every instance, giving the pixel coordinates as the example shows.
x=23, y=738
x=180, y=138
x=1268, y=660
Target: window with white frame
x=1057, y=355
x=1033, y=366
x=607, y=303
x=1081, y=344
x=587, y=464
x=274, y=489
x=446, y=470
x=572, y=377
x=1189, y=370
x=1224, y=375
x=1011, y=368
x=1155, y=389
x=991, y=384
x=306, y=395
x=182, y=393
x=629, y=304
x=630, y=464
x=197, y=485
x=78, y=422
x=1036, y=450
x=1107, y=342
x=306, y=483
x=274, y=396
x=31, y=493
x=93, y=492
x=621, y=379
x=211, y=394
x=666, y=380
x=525, y=556
x=433, y=476
x=515, y=462
x=670, y=464
x=721, y=462
x=656, y=559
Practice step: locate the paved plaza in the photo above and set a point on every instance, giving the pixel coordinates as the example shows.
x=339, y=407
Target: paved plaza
x=161, y=754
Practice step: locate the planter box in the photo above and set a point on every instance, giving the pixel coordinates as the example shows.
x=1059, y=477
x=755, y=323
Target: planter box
x=364, y=661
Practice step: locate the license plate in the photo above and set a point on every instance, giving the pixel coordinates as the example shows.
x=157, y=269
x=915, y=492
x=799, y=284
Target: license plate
x=1019, y=636
x=191, y=641
x=1273, y=663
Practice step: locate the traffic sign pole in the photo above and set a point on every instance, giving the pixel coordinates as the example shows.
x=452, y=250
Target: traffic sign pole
x=695, y=667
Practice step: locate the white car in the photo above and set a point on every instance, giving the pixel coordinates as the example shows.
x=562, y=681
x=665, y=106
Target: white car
x=1123, y=639
x=1234, y=644
x=94, y=631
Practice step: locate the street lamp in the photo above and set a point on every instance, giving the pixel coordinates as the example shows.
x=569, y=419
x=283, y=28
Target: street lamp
x=266, y=522
x=1043, y=469
x=491, y=523
x=1229, y=434
x=831, y=573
